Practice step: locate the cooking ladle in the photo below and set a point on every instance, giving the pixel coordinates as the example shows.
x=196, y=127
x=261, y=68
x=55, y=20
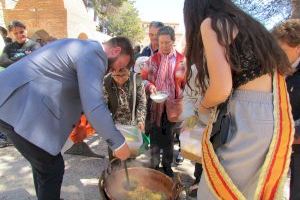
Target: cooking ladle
x=128, y=185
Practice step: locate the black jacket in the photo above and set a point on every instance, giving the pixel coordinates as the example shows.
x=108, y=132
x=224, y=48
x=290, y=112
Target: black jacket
x=147, y=51
x=293, y=86
x=15, y=51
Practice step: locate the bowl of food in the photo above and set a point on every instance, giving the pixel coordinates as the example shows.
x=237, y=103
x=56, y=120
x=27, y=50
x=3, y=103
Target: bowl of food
x=159, y=96
x=147, y=184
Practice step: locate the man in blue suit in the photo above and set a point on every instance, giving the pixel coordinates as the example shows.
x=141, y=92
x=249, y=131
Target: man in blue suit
x=43, y=95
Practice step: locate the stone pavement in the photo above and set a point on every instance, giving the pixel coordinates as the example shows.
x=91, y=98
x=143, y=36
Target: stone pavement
x=81, y=174
x=80, y=179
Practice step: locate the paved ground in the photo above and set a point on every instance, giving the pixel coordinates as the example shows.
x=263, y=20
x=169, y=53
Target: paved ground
x=80, y=179
x=81, y=174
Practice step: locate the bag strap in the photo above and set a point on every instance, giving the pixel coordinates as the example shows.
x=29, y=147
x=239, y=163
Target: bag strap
x=134, y=99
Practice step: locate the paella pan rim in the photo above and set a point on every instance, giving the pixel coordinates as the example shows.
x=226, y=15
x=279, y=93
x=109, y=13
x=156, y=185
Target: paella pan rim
x=169, y=181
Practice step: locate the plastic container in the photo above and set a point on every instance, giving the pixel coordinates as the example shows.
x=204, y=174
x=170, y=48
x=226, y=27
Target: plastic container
x=190, y=142
x=132, y=136
x=159, y=97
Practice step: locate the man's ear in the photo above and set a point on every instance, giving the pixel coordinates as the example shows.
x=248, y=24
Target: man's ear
x=116, y=51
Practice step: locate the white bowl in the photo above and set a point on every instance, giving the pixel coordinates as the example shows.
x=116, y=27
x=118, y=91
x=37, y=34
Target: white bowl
x=159, y=97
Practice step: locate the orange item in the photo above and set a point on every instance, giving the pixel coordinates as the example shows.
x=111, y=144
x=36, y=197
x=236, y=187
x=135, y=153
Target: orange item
x=82, y=130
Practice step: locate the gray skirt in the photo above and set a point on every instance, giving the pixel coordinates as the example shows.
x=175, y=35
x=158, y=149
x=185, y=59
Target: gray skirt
x=248, y=141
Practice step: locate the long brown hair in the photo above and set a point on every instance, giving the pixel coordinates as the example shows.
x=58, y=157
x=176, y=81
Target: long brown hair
x=227, y=17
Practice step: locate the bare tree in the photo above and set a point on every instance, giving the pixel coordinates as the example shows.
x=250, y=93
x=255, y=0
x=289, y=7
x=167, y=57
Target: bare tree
x=267, y=12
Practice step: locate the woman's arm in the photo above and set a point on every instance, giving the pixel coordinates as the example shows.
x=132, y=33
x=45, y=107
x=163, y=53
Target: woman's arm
x=148, y=76
x=220, y=77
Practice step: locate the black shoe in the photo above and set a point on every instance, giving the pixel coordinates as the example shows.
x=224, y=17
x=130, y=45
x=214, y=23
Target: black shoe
x=168, y=171
x=179, y=159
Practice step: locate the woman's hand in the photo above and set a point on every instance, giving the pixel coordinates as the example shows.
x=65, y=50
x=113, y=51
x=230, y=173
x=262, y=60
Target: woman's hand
x=152, y=89
x=141, y=127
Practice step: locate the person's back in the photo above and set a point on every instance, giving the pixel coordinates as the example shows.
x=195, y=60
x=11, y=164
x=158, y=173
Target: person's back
x=42, y=97
x=236, y=58
x=49, y=91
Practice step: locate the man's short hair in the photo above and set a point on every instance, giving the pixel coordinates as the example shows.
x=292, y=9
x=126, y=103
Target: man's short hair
x=156, y=24
x=3, y=31
x=288, y=32
x=167, y=30
x=126, y=47
x=16, y=23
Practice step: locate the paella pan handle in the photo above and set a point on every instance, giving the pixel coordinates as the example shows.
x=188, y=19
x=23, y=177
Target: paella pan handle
x=104, y=175
x=177, y=187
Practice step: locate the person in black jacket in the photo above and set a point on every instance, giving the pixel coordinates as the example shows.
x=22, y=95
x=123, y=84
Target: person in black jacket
x=288, y=36
x=152, y=48
x=21, y=47
x=13, y=52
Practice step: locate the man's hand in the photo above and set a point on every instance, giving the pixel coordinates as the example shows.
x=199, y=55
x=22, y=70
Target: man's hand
x=141, y=126
x=123, y=153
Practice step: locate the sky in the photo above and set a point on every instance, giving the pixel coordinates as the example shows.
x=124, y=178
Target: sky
x=172, y=11
x=160, y=10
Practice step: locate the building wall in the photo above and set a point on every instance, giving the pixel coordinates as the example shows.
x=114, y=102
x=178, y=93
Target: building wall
x=78, y=19
x=59, y=18
x=49, y=15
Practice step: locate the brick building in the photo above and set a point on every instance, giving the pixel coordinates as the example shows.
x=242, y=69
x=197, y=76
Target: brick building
x=58, y=18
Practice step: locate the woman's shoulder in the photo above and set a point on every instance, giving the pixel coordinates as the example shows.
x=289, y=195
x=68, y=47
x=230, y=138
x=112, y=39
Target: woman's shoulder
x=206, y=24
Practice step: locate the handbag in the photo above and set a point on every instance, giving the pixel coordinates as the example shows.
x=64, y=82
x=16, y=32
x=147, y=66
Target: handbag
x=220, y=128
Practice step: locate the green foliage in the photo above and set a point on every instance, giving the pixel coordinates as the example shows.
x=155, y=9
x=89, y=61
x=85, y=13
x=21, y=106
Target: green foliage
x=126, y=22
x=119, y=18
x=103, y=8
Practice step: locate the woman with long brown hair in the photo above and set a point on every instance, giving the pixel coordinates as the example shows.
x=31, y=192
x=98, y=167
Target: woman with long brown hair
x=238, y=60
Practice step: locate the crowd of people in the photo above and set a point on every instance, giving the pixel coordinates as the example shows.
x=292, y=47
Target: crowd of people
x=240, y=79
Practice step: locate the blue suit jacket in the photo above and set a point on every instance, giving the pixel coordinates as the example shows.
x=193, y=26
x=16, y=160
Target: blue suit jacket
x=43, y=94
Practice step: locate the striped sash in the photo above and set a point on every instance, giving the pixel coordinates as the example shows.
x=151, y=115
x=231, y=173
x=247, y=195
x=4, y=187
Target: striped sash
x=273, y=173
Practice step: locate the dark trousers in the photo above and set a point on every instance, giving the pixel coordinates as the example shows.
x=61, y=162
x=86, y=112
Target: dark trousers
x=295, y=173
x=47, y=170
x=162, y=138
